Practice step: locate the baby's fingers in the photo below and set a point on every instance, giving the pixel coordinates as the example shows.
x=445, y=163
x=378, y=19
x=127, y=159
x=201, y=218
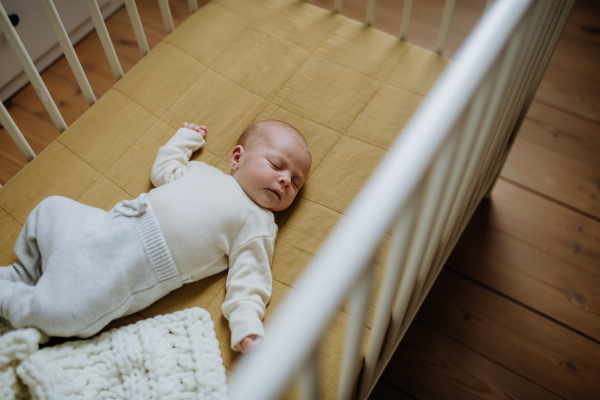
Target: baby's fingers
x=201, y=129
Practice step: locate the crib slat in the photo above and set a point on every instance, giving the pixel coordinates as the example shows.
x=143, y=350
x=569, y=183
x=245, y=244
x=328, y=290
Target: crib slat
x=466, y=199
x=530, y=59
x=107, y=45
x=338, y=6
x=527, y=91
x=67, y=47
x=371, y=7
x=468, y=135
x=478, y=194
x=308, y=378
x=165, y=11
x=34, y=77
x=391, y=281
x=485, y=104
x=136, y=24
x=359, y=304
x=434, y=188
x=193, y=6
x=406, y=15
x=15, y=134
x=558, y=29
x=444, y=26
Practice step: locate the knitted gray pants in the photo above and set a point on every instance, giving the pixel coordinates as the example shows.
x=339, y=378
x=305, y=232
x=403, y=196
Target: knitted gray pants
x=81, y=267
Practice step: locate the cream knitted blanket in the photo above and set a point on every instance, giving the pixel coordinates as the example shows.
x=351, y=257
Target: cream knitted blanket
x=173, y=356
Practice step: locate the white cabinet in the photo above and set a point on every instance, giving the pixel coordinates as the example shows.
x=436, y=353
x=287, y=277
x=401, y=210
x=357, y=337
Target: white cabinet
x=39, y=38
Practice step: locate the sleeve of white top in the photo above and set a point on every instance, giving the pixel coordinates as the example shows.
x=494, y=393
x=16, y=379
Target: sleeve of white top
x=249, y=286
x=173, y=159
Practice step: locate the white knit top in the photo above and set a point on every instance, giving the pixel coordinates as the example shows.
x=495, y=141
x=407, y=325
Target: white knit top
x=210, y=224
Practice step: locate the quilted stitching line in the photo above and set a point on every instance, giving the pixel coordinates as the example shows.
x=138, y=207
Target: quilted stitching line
x=10, y=215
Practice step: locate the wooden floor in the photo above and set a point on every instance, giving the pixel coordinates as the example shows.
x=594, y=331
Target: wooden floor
x=516, y=311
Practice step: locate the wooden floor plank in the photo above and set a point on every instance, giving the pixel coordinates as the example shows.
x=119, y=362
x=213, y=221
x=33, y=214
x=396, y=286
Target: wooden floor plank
x=66, y=95
x=572, y=92
x=544, y=283
x=562, y=133
x=124, y=38
x=571, y=82
x=150, y=13
x=385, y=391
x=554, y=175
x=526, y=343
x=428, y=365
x=426, y=17
x=97, y=70
x=545, y=225
x=583, y=23
x=38, y=131
x=8, y=168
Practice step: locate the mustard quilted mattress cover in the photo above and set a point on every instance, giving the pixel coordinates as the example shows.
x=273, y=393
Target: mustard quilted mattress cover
x=347, y=87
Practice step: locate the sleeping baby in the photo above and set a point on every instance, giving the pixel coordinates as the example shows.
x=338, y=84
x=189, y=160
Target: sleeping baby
x=81, y=267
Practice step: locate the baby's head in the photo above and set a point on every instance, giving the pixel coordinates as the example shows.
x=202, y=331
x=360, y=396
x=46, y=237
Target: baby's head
x=271, y=162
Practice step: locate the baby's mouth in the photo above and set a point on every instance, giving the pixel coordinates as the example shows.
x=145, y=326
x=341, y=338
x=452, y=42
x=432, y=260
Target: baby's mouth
x=276, y=193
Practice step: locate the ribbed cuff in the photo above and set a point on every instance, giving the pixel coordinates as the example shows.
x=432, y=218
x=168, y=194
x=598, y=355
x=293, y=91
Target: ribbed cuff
x=156, y=247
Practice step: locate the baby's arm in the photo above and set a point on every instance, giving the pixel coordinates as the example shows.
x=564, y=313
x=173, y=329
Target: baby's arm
x=249, y=286
x=172, y=160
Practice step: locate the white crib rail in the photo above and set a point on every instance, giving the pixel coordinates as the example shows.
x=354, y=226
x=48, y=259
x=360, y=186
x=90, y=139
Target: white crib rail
x=425, y=189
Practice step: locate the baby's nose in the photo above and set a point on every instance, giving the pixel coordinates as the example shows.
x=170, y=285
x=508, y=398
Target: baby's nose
x=284, y=180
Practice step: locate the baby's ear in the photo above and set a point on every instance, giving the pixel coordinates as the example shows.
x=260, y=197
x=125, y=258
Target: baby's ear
x=236, y=156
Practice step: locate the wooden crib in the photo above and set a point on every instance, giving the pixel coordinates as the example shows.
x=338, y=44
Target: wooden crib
x=359, y=250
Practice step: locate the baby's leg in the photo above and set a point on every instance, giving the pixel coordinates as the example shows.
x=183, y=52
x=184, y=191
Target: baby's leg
x=50, y=225
x=97, y=271
x=26, y=298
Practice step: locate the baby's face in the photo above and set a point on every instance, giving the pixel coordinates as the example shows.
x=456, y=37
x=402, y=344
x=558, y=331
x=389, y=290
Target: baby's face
x=272, y=170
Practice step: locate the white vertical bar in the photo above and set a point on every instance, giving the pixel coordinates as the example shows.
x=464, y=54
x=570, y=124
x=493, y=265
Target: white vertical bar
x=15, y=134
x=532, y=57
x=488, y=4
x=165, y=11
x=540, y=44
x=371, y=7
x=338, y=6
x=107, y=45
x=193, y=6
x=136, y=24
x=34, y=77
x=406, y=15
x=67, y=47
x=391, y=281
x=499, y=104
x=308, y=378
x=557, y=32
x=359, y=304
x=467, y=133
x=427, y=214
x=444, y=26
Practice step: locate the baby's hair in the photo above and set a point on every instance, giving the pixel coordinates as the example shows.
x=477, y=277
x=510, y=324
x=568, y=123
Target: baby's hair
x=254, y=132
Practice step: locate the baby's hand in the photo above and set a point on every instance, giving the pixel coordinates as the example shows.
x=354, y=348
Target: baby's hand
x=249, y=343
x=201, y=129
